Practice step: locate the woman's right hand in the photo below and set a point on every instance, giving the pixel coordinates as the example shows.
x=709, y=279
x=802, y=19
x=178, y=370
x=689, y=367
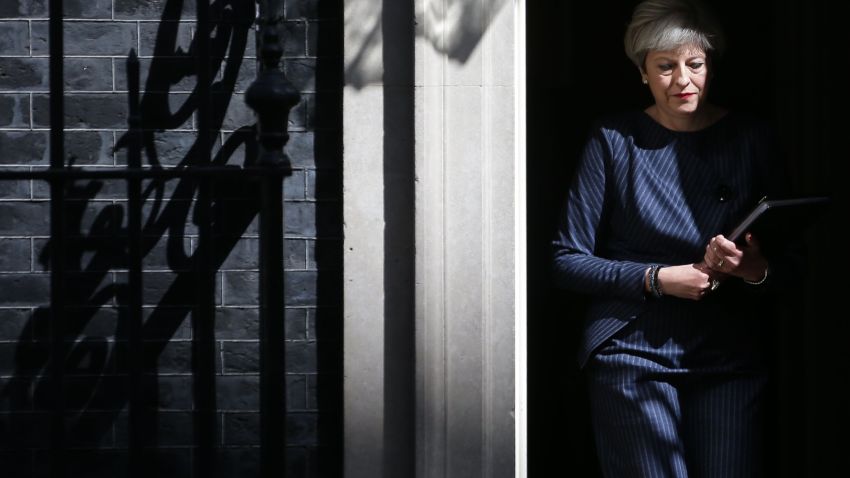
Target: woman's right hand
x=688, y=281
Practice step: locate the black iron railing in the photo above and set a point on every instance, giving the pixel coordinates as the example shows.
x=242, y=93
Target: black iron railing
x=272, y=97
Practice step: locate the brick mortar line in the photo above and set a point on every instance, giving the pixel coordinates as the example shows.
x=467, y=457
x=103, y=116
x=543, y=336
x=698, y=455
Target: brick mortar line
x=97, y=130
x=188, y=20
x=170, y=410
x=106, y=236
x=123, y=92
x=98, y=92
x=176, y=130
x=308, y=238
x=153, y=307
x=122, y=447
x=170, y=375
x=45, y=56
x=151, y=57
x=122, y=201
x=123, y=20
x=101, y=92
x=147, y=271
x=146, y=236
x=110, y=340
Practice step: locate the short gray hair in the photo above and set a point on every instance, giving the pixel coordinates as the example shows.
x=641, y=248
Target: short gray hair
x=668, y=24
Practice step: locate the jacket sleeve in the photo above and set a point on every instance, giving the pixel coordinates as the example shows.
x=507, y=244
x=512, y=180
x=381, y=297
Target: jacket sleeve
x=577, y=266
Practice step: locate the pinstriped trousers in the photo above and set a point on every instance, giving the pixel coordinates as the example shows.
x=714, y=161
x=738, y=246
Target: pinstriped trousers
x=667, y=402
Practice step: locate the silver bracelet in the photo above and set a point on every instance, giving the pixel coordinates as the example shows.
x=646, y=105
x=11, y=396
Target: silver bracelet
x=654, y=286
x=760, y=281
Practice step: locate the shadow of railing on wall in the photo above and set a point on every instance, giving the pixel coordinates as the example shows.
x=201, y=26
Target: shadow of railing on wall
x=73, y=380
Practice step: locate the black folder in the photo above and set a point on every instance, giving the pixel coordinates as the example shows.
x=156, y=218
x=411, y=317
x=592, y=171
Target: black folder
x=777, y=216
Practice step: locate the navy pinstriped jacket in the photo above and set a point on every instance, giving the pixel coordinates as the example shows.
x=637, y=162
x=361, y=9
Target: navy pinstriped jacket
x=642, y=195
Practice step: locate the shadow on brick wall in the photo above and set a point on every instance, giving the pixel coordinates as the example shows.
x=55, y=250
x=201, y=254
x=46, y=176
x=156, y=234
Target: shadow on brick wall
x=97, y=292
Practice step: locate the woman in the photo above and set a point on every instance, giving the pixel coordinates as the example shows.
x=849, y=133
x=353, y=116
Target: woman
x=674, y=367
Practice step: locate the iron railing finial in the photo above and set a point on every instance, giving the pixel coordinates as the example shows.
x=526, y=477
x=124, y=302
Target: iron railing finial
x=271, y=95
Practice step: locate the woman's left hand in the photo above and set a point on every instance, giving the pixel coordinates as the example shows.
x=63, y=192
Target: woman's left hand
x=746, y=261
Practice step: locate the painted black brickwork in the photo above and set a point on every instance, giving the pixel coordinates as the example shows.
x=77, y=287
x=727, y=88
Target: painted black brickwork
x=98, y=37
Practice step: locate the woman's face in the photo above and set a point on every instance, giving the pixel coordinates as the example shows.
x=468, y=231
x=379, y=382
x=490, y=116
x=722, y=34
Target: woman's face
x=678, y=80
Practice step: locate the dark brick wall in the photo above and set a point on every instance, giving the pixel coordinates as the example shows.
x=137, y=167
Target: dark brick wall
x=98, y=37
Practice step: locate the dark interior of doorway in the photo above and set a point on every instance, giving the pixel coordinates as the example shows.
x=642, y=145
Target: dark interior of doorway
x=783, y=64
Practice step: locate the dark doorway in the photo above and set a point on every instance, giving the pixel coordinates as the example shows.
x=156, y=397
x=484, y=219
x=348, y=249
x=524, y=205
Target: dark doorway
x=781, y=64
